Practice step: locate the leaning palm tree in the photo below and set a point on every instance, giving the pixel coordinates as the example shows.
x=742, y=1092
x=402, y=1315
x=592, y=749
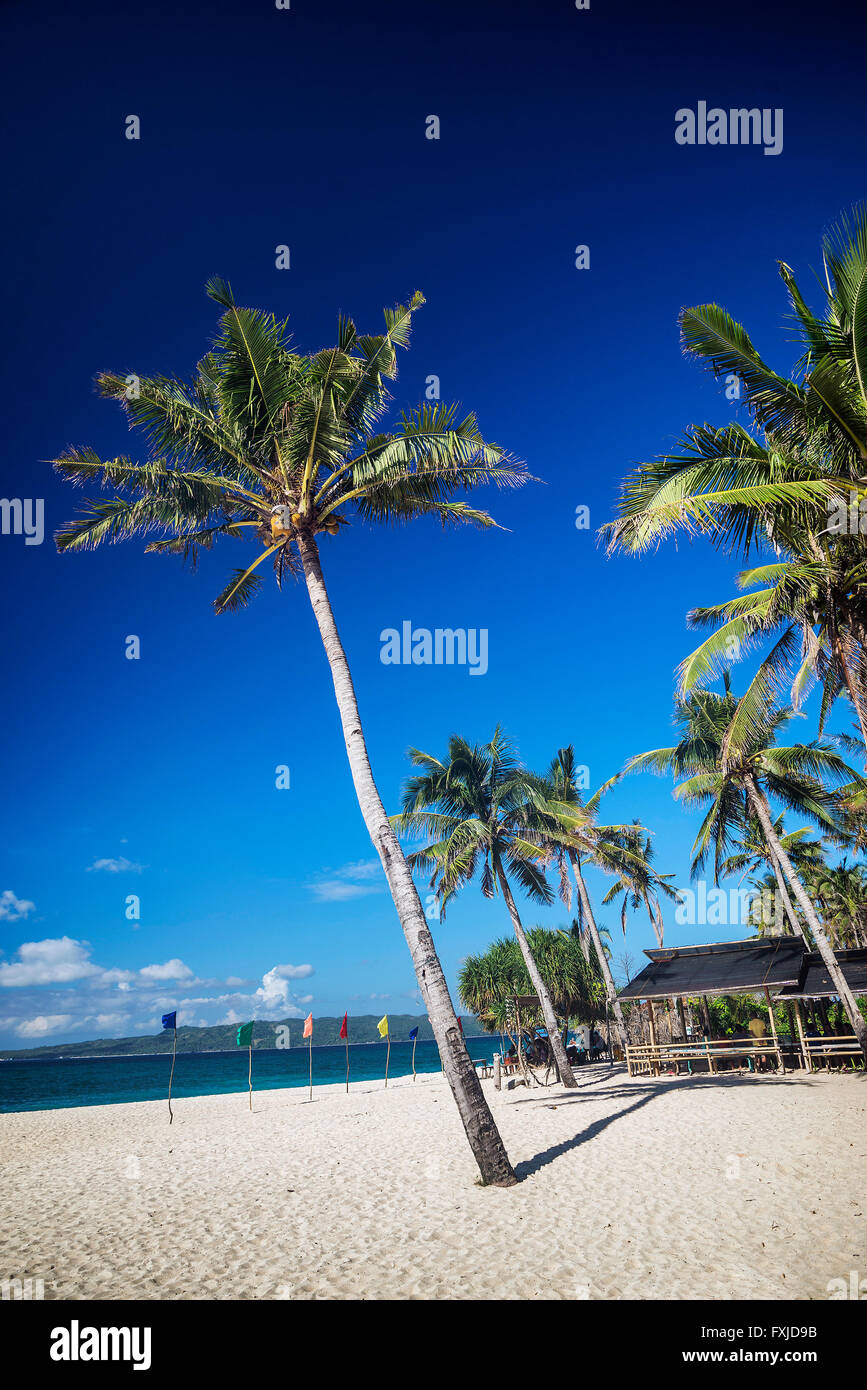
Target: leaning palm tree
x=281, y=449
x=728, y=756
x=480, y=807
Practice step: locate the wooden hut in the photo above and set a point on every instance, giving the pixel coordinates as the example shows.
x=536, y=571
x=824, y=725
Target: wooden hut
x=773, y=966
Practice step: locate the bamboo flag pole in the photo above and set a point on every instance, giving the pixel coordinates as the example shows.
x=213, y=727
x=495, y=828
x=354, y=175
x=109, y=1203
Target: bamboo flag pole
x=308, y=1033
x=344, y=1033
x=245, y=1038
x=382, y=1028
x=414, y=1036
x=171, y=1021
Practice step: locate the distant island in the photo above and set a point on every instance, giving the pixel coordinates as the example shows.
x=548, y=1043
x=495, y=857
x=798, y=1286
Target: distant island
x=220, y=1036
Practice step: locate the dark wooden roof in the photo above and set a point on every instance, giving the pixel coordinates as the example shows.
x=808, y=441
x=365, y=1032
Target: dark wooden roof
x=815, y=981
x=720, y=967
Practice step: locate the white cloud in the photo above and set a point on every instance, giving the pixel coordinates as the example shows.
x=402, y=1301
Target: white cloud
x=354, y=880
x=114, y=866
x=172, y=970
x=12, y=909
x=111, y=1020
x=273, y=996
x=294, y=972
x=70, y=995
x=49, y=962
x=121, y=978
x=361, y=868
x=42, y=1025
x=335, y=891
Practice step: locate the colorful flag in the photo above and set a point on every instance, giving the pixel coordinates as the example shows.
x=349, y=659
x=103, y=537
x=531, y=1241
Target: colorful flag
x=308, y=1026
x=460, y=1025
x=344, y=1031
x=245, y=1035
x=413, y=1033
x=171, y=1021
x=382, y=1025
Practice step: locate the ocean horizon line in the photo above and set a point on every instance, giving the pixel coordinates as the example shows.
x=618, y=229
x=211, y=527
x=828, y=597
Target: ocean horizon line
x=220, y=1051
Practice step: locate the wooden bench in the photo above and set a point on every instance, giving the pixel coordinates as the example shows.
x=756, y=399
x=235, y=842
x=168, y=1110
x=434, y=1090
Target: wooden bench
x=833, y=1045
x=644, y=1058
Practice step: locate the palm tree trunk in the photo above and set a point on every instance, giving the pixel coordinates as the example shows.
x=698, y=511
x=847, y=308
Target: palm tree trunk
x=482, y=1133
x=706, y=1019
x=852, y=691
x=655, y=919
x=762, y=810
x=610, y=988
x=583, y=935
x=781, y=888
x=559, y=1051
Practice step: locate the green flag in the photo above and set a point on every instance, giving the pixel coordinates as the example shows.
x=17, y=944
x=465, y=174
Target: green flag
x=245, y=1035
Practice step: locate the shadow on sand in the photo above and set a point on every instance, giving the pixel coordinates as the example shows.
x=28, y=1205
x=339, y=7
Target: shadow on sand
x=641, y=1092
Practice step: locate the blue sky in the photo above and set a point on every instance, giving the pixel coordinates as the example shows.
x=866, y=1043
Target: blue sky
x=306, y=128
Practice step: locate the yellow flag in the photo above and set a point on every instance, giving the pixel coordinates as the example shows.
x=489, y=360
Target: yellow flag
x=382, y=1025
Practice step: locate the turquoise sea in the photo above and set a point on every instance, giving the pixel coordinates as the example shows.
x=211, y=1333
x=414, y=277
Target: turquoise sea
x=54, y=1083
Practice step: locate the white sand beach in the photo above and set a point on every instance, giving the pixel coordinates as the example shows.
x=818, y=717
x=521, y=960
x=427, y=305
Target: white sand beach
x=726, y=1188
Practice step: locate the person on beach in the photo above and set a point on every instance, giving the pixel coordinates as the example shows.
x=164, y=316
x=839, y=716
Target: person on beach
x=758, y=1029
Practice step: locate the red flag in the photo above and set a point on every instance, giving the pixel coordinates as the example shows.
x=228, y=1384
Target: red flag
x=460, y=1025
x=308, y=1026
x=344, y=1031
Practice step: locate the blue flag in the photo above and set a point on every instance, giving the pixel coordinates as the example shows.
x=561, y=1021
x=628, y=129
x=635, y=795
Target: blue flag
x=170, y=1020
x=414, y=1033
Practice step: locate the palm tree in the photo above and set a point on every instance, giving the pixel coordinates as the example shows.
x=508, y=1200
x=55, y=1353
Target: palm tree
x=818, y=594
x=638, y=883
x=754, y=855
x=745, y=494
x=480, y=806
x=280, y=448
x=569, y=831
x=579, y=928
x=841, y=892
x=488, y=983
x=725, y=483
x=728, y=755
x=762, y=910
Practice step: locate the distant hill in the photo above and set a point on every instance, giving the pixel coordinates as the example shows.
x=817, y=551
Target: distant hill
x=223, y=1035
